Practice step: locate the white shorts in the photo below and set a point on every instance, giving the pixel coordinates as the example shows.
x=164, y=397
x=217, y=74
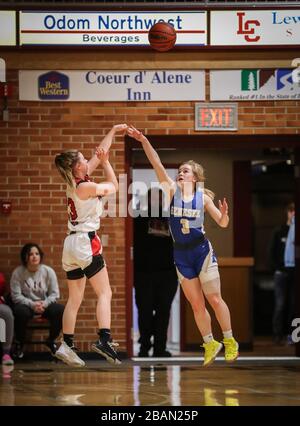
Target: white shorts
x=82, y=255
x=210, y=276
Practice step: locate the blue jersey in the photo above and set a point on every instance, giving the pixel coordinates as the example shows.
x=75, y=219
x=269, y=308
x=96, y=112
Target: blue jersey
x=186, y=218
x=193, y=253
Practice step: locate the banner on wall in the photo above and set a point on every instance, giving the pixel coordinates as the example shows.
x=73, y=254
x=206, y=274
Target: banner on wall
x=108, y=28
x=92, y=85
x=253, y=85
x=255, y=27
x=7, y=28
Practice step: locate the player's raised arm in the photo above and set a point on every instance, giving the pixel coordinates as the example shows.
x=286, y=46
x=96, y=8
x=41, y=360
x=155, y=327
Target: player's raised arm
x=105, y=145
x=109, y=186
x=220, y=215
x=153, y=157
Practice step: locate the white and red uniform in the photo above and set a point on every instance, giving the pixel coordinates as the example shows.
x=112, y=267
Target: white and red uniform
x=82, y=247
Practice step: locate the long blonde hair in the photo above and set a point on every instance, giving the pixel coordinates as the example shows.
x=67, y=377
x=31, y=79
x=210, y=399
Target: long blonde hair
x=64, y=162
x=198, y=171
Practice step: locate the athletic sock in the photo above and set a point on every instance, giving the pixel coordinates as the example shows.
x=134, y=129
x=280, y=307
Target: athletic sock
x=104, y=334
x=208, y=338
x=227, y=334
x=69, y=339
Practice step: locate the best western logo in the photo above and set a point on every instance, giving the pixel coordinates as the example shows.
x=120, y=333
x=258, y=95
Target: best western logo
x=53, y=86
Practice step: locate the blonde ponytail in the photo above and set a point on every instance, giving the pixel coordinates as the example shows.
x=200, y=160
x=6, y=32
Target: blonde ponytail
x=64, y=163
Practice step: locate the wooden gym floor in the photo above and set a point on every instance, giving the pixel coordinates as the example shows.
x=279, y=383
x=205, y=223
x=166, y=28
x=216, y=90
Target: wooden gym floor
x=248, y=382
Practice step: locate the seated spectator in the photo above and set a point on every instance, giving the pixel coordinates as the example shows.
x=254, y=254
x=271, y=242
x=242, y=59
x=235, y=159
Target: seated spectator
x=6, y=314
x=34, y=290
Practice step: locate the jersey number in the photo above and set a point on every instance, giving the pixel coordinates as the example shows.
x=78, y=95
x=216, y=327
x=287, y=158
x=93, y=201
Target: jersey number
x=185, y=226
x=72, y=210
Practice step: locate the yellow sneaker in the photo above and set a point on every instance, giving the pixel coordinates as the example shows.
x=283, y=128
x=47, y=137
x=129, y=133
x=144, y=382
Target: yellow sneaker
x=211, y=351
x=231, y=349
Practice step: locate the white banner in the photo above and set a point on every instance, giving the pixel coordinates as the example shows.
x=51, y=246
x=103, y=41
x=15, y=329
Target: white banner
x=108, y=28
x=7, y=28
x=253, y=85
x=255, y=27
x=92, y=85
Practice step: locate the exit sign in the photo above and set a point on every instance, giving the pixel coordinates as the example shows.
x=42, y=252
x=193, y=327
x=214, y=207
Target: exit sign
x=216, y=116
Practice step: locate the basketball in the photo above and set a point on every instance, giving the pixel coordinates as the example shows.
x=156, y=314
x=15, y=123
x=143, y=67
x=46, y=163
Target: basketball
x=162, y=36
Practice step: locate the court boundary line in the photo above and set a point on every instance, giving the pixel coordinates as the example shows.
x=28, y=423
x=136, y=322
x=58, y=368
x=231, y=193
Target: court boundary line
x=240, y=359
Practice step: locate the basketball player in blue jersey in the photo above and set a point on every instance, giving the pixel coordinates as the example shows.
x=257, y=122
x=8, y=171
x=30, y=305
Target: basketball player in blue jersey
x=82, y=252
x=194, y=257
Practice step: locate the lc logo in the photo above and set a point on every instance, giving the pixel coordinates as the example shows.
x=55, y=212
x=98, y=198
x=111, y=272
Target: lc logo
x=247, y=27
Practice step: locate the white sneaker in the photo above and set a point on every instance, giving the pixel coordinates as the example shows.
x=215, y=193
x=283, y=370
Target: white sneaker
x=67, y=355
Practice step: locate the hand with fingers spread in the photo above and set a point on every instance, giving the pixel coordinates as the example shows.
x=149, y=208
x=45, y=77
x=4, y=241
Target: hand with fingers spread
x=135, y=134
x=223, y=207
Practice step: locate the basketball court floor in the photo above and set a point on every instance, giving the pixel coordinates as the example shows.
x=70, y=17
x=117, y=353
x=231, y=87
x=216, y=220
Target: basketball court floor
x=180, y=381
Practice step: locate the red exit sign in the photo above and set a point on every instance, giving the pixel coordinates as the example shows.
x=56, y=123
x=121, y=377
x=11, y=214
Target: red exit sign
x=216, y=116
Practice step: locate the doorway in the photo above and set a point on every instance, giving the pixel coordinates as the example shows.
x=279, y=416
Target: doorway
x=142, y=180
x=272, y=190
x=247, y=148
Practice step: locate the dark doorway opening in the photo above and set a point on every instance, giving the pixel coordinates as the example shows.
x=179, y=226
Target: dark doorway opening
x=270, y=164
x=272, y=189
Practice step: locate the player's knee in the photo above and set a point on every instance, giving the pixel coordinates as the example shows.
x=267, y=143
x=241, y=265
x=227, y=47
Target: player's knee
x=74, y=303
x=215, y=300
x=105, y=293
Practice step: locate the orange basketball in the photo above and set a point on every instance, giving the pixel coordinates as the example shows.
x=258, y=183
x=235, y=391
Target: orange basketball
x=162, y=36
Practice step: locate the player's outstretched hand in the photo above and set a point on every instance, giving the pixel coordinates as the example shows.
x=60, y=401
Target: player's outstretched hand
x=223, y=206
x=120, y=128
x=134, y=133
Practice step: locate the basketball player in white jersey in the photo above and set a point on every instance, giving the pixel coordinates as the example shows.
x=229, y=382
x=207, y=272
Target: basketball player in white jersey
x=82, y=251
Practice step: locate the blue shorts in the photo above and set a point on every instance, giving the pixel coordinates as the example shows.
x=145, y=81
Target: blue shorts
x=198, y=262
